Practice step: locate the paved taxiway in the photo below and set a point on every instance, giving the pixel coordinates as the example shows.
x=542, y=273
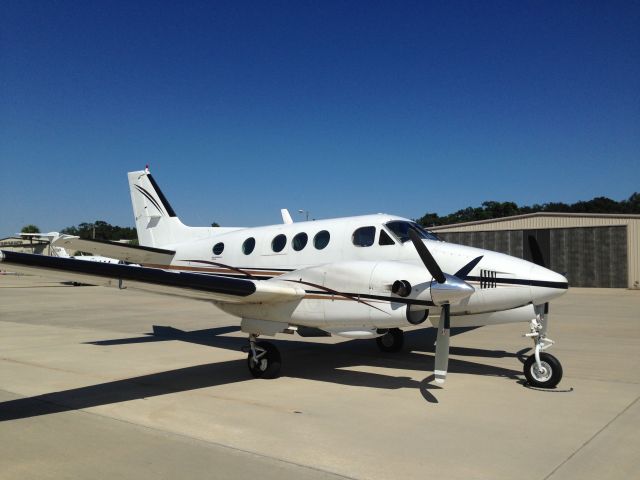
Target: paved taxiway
x=87, y=391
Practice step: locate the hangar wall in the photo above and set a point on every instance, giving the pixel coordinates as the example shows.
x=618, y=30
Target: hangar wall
x=22, y=245
x=595, y=250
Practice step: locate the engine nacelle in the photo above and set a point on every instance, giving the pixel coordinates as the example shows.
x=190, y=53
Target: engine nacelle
x=362, y=293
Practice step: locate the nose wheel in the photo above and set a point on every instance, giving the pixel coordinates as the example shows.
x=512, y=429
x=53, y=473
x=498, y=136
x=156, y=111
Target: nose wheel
x=263, y=359
x=542, y=370
x=546, y=374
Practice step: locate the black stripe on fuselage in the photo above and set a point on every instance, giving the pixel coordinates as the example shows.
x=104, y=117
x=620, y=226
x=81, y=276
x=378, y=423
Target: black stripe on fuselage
x=522, y=281
x=193, y=281
x=507, y=281
x=247, y=269
x=366, y=296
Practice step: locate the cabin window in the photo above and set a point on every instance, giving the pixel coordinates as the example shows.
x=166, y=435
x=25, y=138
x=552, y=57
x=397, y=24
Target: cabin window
x=321, y=239
x=401, y=229
x=364, y=236
x=218, y=248
x=300, y=241
x=278, y=243
x=385, y=239
x=248, y=245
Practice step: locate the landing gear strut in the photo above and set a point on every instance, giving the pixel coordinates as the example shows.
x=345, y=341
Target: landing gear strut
x=263, y=358
x=541, y=370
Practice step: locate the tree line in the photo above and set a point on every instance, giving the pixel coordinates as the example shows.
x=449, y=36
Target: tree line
x=101, y=230
x=490, y=210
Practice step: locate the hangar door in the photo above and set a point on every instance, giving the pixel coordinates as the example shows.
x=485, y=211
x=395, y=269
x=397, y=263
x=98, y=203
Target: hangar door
x=588, y=256
x=591, y=256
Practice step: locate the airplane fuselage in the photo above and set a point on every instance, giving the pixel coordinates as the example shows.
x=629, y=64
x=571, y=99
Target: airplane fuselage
x=361, y=257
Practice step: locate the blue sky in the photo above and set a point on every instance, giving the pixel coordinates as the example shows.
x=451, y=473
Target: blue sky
x=339, y=108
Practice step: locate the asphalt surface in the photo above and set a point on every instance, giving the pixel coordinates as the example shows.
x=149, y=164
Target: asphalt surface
x=89, y=389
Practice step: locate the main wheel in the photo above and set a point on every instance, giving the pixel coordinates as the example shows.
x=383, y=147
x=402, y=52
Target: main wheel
x=546, y=377
x=267, y=365
x=391, y=341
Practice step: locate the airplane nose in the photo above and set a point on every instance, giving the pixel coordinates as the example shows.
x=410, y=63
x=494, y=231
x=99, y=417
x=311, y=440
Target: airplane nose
x=546, y=284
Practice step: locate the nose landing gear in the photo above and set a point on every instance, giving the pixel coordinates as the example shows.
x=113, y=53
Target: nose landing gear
x=542, y=370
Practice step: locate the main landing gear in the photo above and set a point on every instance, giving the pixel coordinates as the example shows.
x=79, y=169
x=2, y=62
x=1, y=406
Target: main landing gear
x=263, y=358
x=542, y=370
x=391, y=341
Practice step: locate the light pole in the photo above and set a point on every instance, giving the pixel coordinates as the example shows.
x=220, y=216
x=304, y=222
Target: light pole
x=306, y=212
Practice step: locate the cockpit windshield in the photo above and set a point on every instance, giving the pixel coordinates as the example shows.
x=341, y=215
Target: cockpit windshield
x=401, y=230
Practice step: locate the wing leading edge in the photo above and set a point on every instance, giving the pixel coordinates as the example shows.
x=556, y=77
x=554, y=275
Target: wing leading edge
x=186, y=284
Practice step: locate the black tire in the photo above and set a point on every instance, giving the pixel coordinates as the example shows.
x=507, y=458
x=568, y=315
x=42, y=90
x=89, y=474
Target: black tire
x=268, y=366
x=548, y=379
x=391, y=341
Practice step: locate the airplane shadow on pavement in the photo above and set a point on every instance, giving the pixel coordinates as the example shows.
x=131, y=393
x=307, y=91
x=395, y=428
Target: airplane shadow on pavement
x=302, y=359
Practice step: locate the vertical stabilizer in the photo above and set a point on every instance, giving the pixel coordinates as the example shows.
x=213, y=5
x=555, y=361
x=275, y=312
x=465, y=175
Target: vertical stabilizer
x=156, y=222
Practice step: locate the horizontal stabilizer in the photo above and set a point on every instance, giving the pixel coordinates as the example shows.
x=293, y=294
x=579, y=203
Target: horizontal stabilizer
x=121, y=251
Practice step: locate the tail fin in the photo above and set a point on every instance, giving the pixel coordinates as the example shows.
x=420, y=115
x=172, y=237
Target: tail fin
x=156, y=222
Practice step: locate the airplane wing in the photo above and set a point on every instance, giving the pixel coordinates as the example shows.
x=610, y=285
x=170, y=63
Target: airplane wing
x=184, y=284
x=121, y=251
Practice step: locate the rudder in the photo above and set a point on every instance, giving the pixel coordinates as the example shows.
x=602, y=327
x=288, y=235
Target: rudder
x=156, y=222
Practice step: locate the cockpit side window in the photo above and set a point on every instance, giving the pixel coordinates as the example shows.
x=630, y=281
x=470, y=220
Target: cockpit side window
x=401, y=229
x=364, y=236
x=385, y=239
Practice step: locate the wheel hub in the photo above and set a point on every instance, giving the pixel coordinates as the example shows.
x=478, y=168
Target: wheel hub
x=542, y=373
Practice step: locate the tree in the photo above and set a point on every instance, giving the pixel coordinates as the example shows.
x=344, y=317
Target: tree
x=101, y=230
x=30, y=229
x=215, y=224
x=491, y=209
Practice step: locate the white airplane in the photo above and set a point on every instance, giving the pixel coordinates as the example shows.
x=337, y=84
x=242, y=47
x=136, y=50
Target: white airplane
x=57, y=240
x=358, y=277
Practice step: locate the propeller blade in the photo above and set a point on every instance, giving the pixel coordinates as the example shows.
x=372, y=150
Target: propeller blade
x=545, y=318
x=536, y=252
x=466, y=270
x=442, y=345
x=542, y=313
x=426, y=257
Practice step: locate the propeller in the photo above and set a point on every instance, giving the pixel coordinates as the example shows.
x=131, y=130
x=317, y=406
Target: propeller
x=536, y=251
x=427, y=258
x=442, y=345
x=445, y=290
x=538, y=259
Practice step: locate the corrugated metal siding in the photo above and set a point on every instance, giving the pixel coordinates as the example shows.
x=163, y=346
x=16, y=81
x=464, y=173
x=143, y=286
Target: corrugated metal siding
x=537, y=222
x=503, y=242
x=589, y=257
x=633, y=253
x=561, y=221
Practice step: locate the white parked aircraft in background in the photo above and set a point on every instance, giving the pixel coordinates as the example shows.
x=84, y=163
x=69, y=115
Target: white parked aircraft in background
x=56, y=239
x=358, y=277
